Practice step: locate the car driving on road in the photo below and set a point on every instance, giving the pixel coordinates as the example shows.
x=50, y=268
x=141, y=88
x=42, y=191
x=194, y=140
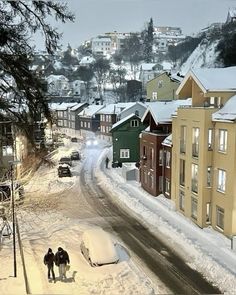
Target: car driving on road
x=65, y=160
x=98, y=247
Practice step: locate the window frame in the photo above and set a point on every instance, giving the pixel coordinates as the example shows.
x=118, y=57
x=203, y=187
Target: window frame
x=124, y=153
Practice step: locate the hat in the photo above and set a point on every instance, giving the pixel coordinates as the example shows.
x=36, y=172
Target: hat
x=60, y=249
x=49, y=250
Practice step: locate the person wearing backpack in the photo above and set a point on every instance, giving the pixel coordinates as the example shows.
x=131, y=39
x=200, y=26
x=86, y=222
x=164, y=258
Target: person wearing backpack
x=49, y=261
x=61, y=260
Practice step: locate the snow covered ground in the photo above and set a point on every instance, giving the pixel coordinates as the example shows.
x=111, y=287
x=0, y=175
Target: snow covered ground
x=50, y=217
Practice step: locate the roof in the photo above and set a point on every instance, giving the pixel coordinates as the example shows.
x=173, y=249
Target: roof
x=147, y=66
x=116, y=108
x=61, y=106
x=162, y=111
x=52, y=78
x=123, y=121
x=212, y=79
x=77, y=106
x=87, y=60
x=167, y=141
x=227, y=112
x=90, y=110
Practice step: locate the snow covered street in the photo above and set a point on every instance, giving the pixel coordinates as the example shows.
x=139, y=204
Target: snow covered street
x=53, y=217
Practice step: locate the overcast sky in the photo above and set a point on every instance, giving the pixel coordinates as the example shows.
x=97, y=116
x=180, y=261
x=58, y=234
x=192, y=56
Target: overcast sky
x=95, y=17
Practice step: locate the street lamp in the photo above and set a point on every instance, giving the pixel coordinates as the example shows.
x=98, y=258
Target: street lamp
x=12, y=163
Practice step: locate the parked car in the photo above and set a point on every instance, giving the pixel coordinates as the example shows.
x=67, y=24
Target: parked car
x=91, y=142
x=75, y=155
x=74, y=139
x=98, y=248
x=5, y=191
x=63, y=170
x=65, y=160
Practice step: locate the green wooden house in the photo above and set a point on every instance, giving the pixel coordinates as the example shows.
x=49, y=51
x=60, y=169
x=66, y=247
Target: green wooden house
x=125, y=139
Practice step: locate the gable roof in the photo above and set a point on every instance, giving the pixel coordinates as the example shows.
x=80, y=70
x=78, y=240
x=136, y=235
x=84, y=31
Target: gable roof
x=212, y=79
x=227, y=112
x=122, y=121
x=90, y=110
x=77, y=106
x=62, y=106
x=116, y=108
x=162, y=111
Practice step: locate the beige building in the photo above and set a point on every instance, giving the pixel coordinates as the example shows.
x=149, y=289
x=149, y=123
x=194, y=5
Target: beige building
x=163, y=87
x=203, y=182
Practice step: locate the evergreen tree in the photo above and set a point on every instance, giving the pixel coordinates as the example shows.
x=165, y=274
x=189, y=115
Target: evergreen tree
x=68, y=58
x=148, y=42
x=22, y=96
x=85, y=74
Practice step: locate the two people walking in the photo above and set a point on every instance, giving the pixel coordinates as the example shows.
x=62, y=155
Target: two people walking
x=61, y=259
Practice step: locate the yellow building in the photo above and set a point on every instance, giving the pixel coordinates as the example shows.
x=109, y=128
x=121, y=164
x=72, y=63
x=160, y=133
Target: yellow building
x=203, y=178
x=163, y=87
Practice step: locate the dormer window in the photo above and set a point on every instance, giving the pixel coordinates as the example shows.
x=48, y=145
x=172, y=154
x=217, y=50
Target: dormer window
x=134, y=123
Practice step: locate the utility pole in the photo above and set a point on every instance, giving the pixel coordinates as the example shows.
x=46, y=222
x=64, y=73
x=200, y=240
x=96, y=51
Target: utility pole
x=13, y=221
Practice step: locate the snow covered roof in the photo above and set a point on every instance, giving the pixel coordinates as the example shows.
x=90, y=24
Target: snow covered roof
x=124, y=120
x=212, y=79
x=77, y=106
x=52, y=78
x=61, y=106
x=87, y=60
x=167, y=141
x=227, y=112
x=162, y=111
x=116, y=108
x=232, y=12
x=147, y=66
x=90, y=110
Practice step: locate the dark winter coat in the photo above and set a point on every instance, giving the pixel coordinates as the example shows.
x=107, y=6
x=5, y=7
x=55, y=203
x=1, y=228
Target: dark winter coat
x=62, y=257
x=49, y=259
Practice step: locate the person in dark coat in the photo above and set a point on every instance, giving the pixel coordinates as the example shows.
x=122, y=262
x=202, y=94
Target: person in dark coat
x=61, y=260
x=107, y=162
x=49, y=261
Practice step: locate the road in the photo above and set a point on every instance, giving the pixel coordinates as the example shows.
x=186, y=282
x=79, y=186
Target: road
x=162, y=261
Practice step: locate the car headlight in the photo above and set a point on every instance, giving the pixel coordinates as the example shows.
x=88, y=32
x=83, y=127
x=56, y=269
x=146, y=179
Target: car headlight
x=88, y=142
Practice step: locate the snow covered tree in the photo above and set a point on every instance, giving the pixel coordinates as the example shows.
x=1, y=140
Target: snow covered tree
x=132, y=51
x=68, y=58
x=22, y=96
x=85, y=74
x=148, y=42
x=101, y=69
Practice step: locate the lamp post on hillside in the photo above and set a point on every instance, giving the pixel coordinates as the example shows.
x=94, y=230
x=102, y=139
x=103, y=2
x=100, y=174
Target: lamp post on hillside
x=12, y=163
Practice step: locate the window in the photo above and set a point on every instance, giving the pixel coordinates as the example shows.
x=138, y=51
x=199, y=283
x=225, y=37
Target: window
x=145, y=177
x=160, y=157
x=82, y=124
x=182, y=172
x=221, y=180
x=144, y=153
x=151, y=183
x=85, y=124
x=181, y=200
x=65, y=123
x=151, y=157
x=124, y=153
x=134, y=123
x=194, y=208
x=167, y=186
x=88, y=124
x=195, y=142
x=160, y=83
x=183, y=139
x=160, y=183
x=60, y=123
x=194, y=178
x=210, y=139
x=209, y=176
x=222, y=140
x=7, y=150
x=167, y=159
x=220, y=213
x=208, y=213
x=154, y=95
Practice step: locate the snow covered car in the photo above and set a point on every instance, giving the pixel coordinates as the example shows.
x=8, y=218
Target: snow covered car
x=75, y=155
x=63, y=170
x=91, y=142
x=65, y=160
x=98, y=248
